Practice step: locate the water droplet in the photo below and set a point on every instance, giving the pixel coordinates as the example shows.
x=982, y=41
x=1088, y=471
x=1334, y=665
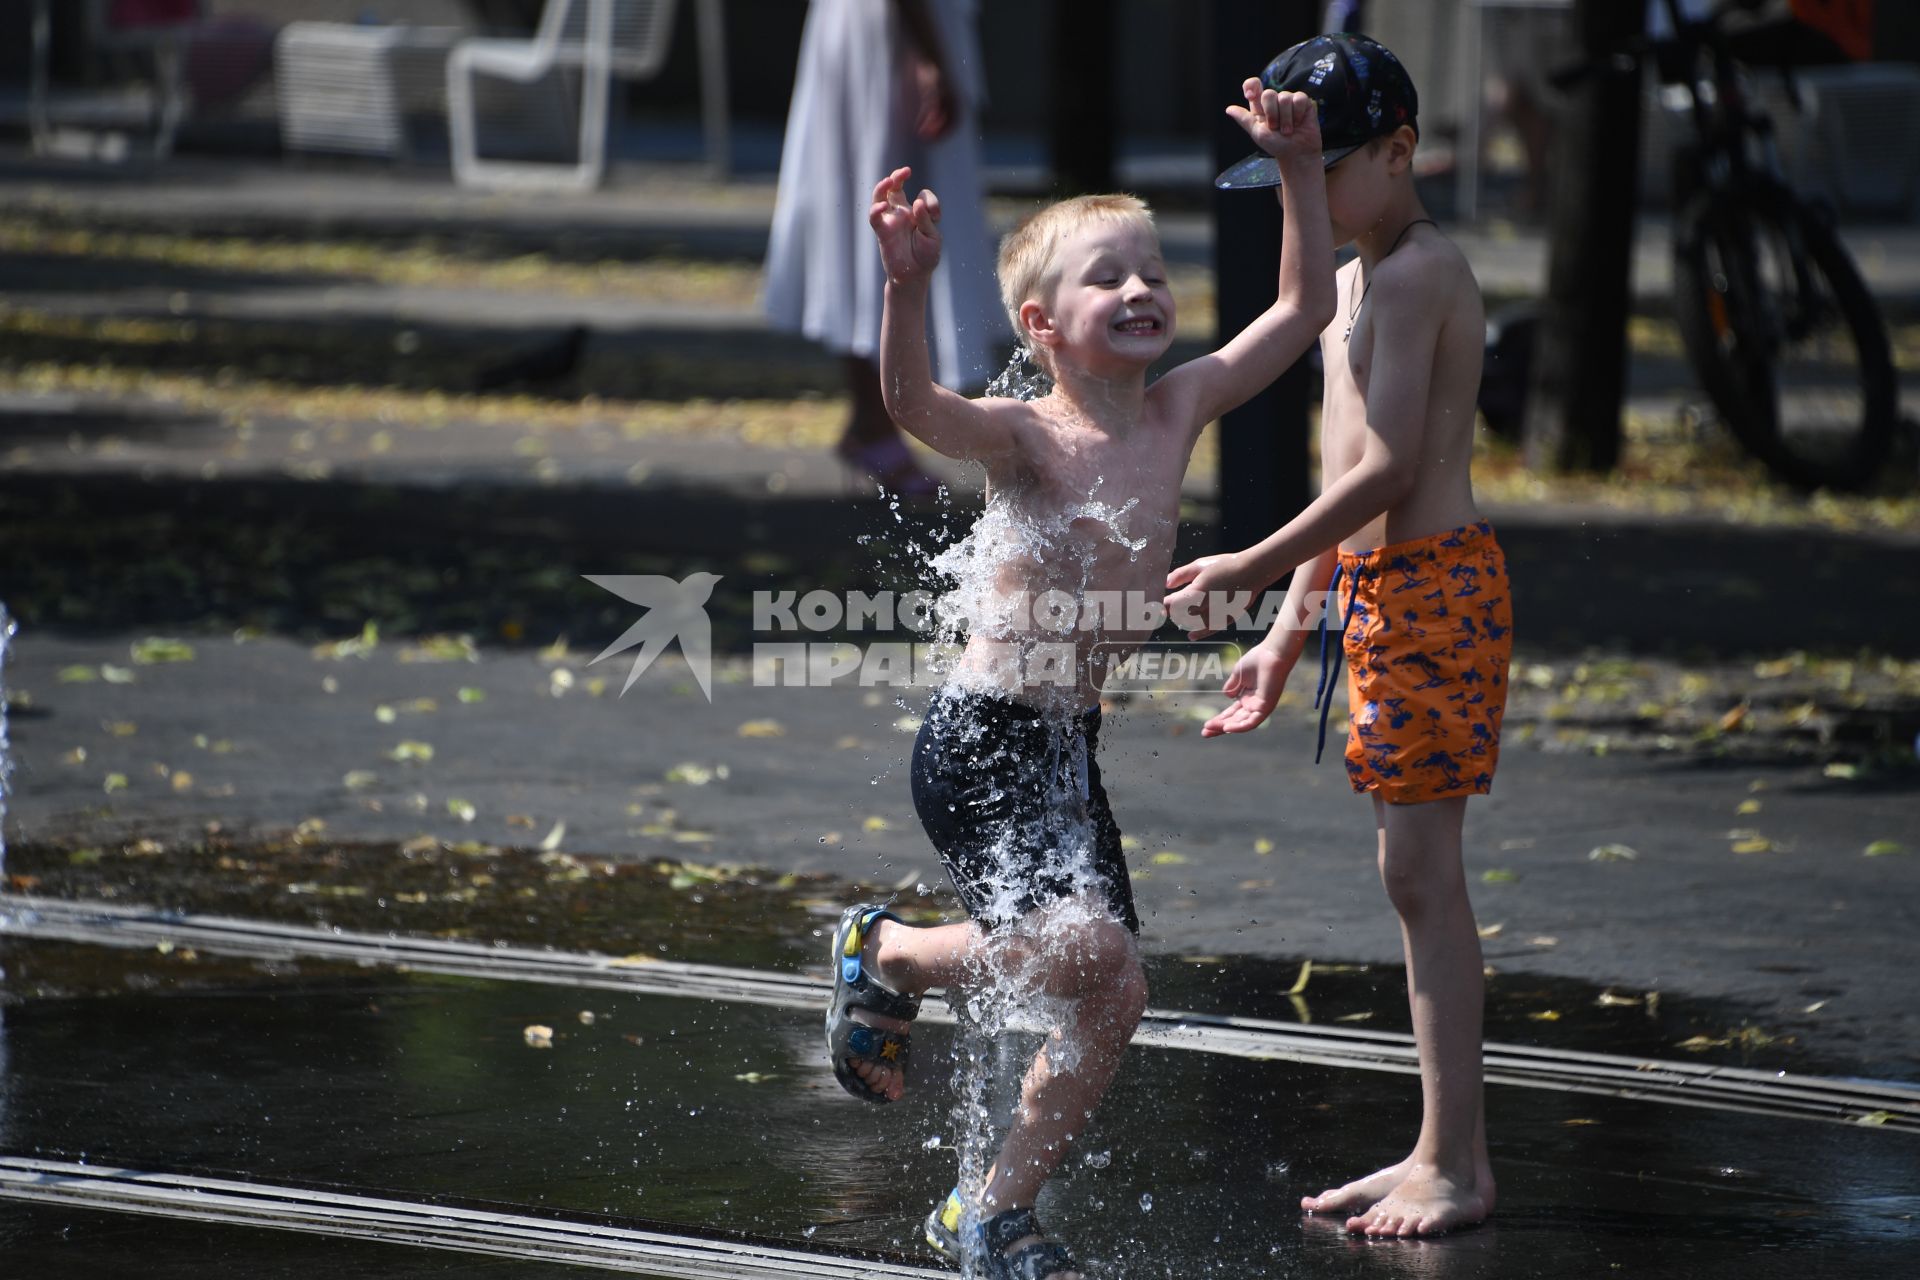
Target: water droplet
x=1146, y=1202
x=1099, y=1159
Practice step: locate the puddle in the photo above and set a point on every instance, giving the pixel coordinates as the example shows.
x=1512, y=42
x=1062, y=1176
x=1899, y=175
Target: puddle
x=725, y=1116
x=715, y=914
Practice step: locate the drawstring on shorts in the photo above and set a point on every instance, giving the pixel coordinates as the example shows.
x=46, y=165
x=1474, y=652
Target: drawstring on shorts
x=1323, y=693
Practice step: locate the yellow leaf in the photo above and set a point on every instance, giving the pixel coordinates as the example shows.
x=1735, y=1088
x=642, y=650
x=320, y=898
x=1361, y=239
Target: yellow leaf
x=1609, y=1000
x=115, y=782
x=1263, y=846
x=1757, y=844
x=1354, y=1017
x=762, y=729
x=1875, y=1118
x=1168, y=858
x=1612, y=853
x=182, y=781
x=461, y=809
x=1300, y=983
x=1497, y=875
x=1733, y=719
x=1546, y=1015
x=1882, y=848
x=1492, y=930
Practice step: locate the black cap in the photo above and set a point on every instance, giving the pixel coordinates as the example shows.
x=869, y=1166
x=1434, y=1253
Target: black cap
x=1363, y=91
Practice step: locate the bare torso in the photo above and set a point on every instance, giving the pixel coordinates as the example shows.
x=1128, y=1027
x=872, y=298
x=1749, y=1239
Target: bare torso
x=1442, y=495
x=1088, y=513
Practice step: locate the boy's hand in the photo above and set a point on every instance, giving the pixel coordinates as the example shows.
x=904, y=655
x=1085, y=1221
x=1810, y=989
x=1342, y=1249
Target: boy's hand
x=1284, y=125
x=1255, y=685
x=1193, y=586
x=909, y=234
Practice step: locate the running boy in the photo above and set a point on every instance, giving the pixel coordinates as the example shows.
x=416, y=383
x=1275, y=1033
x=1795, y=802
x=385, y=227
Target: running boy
x=1422, y=587
x=1082, y=500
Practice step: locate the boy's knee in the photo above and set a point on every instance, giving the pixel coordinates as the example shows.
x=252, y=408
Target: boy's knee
x=1417, y=885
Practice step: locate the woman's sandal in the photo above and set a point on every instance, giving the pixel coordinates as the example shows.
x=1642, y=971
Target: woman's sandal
x=1035, y=1262
x=849, y=1040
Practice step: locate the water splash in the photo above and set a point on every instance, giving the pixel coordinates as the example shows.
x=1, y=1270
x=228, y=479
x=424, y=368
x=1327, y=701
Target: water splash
x=1022, y=379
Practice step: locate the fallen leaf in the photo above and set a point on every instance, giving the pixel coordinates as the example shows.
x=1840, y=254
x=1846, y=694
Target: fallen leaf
x=1882, y=848
x=1497, y=875
x=385, y=714
x=1543, y=940
x=874, y=823
x=461, y=809
x=755, y=1077
x=1840, y=769
x=552, y=839
x=1612, y=853
x=1611, y=1000
x=1354, y=1017
x=115, y=675
x=1546, y=1015
x=762, y=729
x=1578, y=1122
x=1300, y=983
x=469, y=694
x=1747, y=807
x=411, y=750
x=359, y=779
x=586, y=1017
x=1733, y=719
x=182, y=781
x=78, y=674
x=1756, y=844
x=157, y=649
x=76, y=756
x=1263, y=846
x=115, y=782
x=694, y=775
x=122, y=728
x=1169, y=858
x=1875, y=1118
x=1699, y=1044
x=1492, y=930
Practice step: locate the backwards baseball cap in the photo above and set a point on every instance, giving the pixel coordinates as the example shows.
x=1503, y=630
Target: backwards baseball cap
x=1363, y=91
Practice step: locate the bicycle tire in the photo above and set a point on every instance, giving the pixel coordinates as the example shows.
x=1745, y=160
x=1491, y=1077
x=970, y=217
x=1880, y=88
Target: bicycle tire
x=1727, y=307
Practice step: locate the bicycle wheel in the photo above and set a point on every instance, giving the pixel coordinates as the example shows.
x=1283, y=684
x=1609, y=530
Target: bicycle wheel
x=1784, y=336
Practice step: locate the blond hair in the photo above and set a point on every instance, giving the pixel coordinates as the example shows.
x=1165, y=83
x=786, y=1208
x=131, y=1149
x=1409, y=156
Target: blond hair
x=1028, y=254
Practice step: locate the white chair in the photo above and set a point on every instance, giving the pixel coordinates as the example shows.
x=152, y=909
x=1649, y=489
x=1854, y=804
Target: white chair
x=349, y=88
x=598, y=39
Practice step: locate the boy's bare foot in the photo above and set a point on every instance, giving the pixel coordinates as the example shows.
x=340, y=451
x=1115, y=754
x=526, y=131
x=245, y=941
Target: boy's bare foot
x=1426, y=1203
x=1361, y=1193
x=1406, y=1199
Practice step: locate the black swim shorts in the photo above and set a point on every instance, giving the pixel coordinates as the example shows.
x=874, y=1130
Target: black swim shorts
x=1010, y=796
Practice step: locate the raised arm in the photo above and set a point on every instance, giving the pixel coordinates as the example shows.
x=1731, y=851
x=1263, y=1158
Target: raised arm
x=1409, y=306
x=909, y=236
x=1287, y=127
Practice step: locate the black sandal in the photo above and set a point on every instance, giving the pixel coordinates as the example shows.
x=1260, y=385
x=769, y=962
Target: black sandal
x=1035, y=1262
x=849, y=1040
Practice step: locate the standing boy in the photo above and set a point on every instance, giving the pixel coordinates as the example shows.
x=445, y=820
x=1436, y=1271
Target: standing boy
x=1083, y=500
x=1421, y=585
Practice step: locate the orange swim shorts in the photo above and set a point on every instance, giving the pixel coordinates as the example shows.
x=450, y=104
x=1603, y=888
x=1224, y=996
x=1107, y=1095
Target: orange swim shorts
x=1428, y=638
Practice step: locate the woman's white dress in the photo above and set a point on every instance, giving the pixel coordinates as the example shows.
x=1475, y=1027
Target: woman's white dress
x=851, y=123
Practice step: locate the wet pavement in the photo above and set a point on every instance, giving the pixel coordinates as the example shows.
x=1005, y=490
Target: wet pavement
x=717, y=1115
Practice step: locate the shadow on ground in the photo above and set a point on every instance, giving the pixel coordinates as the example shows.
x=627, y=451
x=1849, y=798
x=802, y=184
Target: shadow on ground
x=318, y=559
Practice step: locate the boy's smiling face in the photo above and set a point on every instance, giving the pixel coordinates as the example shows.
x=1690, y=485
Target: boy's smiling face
x=1112, y=309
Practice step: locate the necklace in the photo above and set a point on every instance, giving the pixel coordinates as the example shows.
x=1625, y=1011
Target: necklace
x=1354, y=310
